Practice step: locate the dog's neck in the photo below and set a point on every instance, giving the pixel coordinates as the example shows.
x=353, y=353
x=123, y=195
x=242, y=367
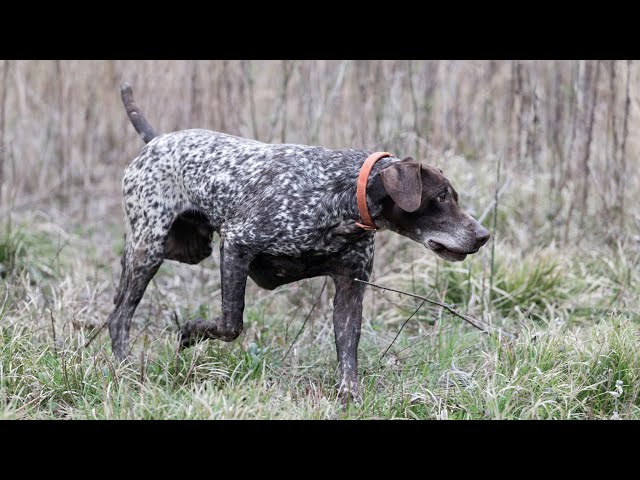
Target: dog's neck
x=376, y=192
x=345, y=198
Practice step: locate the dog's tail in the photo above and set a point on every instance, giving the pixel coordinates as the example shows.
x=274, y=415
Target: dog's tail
x=140, y=123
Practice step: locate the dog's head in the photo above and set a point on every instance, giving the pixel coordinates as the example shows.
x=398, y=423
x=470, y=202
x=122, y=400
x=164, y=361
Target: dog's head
x=420, y=203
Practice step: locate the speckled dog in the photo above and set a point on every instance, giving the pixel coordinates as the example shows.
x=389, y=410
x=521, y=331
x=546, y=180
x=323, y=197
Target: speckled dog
x=284, y=212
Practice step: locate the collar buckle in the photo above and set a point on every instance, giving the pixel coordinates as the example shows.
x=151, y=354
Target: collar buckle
x=366, y=227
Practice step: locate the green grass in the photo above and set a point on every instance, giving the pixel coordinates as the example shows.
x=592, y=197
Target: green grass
x=574, y=314
x=23, y=250
x=454, y=374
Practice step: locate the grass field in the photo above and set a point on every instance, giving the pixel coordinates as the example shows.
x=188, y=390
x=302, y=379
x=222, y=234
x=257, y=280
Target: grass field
x=574, y=312
x=561, y=273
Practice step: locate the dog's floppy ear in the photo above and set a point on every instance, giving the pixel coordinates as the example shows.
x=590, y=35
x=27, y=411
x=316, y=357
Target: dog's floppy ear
x=403, y=183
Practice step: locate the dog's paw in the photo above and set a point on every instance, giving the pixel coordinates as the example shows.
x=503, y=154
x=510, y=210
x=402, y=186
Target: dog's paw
x=190, y=333
x=122, y=356
x=349, y=392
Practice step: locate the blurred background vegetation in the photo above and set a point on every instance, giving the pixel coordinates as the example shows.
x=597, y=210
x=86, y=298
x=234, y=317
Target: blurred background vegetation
x=565, y=131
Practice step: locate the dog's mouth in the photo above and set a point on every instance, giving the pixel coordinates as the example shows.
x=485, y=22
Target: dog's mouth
x=448, y=253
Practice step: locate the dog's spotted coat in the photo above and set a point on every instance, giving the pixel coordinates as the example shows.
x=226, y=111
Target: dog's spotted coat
x=284, y=212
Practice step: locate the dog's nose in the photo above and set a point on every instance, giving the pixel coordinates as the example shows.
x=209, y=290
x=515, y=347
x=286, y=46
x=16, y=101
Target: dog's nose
x=482, y=235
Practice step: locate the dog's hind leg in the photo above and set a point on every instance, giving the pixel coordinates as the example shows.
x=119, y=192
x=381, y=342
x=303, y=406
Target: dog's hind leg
x=141, y=261
x=151, y=209
x=234, y=269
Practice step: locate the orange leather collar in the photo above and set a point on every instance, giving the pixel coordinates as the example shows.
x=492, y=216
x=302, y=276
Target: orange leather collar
x=361, y=190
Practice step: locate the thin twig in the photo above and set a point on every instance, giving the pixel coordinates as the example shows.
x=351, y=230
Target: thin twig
x=405, y=322
x=30, y=402
x=142, y=367
x=306, y=319
x=53, y=329
x=286, y=331
x=504, y=187
x=476, y=323
x=93, y=337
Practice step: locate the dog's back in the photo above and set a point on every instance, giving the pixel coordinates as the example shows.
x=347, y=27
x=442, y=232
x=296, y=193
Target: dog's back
x=284, y=193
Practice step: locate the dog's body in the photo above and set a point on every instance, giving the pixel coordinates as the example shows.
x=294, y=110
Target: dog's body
x=284, y=212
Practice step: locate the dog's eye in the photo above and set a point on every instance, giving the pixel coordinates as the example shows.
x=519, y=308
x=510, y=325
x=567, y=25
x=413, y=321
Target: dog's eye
x=442, y=197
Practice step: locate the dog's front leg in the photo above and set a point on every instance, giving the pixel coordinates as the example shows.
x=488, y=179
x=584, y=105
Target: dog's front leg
x=347, y=318
x=234, y=268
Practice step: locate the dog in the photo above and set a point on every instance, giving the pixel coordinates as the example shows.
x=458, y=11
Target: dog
x=284, y=212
